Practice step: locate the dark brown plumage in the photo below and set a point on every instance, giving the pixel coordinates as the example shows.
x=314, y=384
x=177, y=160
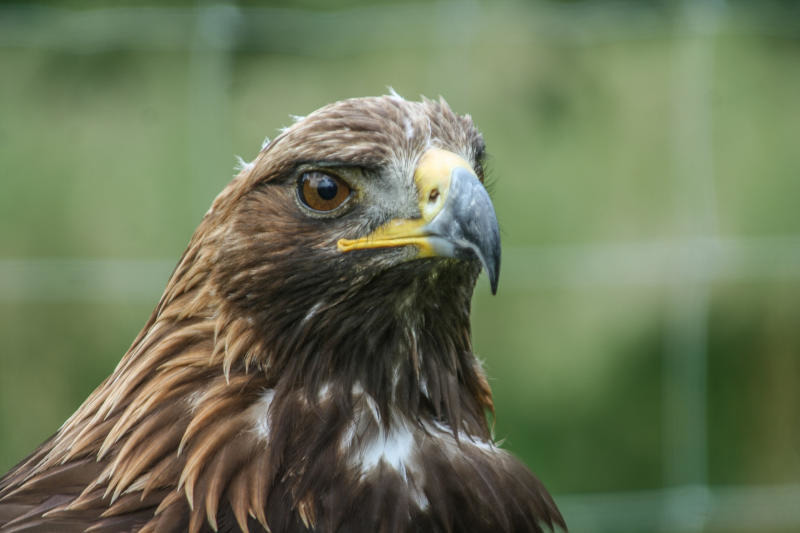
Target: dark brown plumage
x=307, y=368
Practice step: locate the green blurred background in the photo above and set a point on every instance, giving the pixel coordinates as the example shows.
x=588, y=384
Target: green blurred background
x=644, y=344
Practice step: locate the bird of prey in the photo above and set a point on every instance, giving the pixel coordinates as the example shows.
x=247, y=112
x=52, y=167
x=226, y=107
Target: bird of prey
x=309, y=366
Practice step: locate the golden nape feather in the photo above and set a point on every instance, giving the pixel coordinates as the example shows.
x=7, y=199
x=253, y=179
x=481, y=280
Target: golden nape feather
x=309, y=366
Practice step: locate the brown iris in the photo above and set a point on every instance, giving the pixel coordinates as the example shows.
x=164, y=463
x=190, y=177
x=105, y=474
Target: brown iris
x=322, y=192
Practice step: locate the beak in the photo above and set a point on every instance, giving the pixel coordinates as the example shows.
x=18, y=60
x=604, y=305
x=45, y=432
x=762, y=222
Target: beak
x=457, y=217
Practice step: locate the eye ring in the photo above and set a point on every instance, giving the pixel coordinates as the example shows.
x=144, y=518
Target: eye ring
x=322, y=192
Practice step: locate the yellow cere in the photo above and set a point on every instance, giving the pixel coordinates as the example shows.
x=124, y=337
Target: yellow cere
x=432, y=178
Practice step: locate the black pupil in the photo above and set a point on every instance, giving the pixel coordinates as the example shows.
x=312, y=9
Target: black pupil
x=327, y=188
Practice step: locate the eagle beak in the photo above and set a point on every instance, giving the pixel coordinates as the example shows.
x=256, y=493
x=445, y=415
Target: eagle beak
x=457, y=216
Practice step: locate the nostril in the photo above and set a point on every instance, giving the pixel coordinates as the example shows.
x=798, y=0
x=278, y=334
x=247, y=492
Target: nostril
x=433, y=195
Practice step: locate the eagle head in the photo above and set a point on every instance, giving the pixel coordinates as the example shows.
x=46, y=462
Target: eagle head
x=358, y=231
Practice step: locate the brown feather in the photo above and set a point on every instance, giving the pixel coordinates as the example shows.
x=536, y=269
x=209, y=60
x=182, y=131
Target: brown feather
x=282, y=386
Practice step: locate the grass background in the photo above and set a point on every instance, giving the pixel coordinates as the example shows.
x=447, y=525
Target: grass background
x=115, y=152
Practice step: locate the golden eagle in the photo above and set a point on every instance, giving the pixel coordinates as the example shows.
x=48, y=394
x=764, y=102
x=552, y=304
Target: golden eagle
x=309, y=366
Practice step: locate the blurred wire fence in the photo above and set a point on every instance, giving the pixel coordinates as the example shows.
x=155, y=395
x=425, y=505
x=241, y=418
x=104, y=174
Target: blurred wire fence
x=688, y=266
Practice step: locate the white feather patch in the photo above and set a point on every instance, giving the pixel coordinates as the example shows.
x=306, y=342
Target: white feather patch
x=241, y=164
x=445, y=434
x=394, y=448
x=324, y=392
x=260, y=413
x=393, y=93
x=408, y=128
x=313, y=311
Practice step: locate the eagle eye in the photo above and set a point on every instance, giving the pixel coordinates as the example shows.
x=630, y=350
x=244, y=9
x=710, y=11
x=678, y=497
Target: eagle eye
x=322, y=192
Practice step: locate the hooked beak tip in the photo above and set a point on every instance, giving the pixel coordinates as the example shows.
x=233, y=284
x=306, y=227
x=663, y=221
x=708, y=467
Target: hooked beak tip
x=469, y=224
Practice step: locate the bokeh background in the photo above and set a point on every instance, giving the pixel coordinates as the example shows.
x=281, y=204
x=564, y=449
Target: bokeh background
x=644, y=345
